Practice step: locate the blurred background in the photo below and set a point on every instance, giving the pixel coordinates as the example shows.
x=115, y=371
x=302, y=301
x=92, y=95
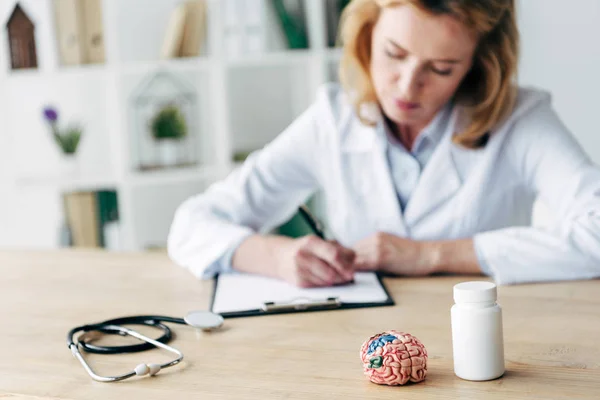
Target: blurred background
x=112, y=112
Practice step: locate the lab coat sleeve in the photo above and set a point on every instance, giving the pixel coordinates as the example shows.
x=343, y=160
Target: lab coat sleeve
x=255, y=198
x=224, y=263
x=556, y=169
x=483, y=264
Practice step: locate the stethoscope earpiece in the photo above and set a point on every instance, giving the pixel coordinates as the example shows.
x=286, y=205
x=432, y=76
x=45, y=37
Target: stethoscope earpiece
x=147, y=369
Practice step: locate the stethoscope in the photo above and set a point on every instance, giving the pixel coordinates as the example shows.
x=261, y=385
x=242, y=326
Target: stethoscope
x=204, y=320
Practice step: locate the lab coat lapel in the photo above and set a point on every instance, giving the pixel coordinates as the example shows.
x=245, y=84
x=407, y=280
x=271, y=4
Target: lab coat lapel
x=389, y=215
x=377, y=184
x=439, y=180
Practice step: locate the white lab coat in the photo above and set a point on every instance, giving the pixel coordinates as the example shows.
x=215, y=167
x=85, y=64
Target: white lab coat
x=485, y=194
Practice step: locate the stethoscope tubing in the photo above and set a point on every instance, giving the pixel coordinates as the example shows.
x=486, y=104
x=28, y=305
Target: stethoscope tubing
x=107, y=327
x=113, y=326
x=80, y=338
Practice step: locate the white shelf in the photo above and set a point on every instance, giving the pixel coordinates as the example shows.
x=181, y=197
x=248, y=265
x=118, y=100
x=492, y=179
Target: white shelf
x=66, y=184
x=27, y=73
x=275, y=59
x=87, y=70
x=177, y=175
x=81, y=69
x=191, y=64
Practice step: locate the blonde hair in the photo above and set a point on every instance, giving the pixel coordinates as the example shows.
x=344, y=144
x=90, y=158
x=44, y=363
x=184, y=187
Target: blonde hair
x=487, y=91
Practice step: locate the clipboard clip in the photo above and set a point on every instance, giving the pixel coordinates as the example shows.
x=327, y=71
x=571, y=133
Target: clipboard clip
x=302, y=304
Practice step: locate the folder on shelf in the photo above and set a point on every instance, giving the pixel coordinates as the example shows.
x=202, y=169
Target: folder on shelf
x=243, y=295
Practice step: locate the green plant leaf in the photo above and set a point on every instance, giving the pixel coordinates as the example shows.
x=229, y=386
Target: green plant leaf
x=168, y=123
x=69, y=139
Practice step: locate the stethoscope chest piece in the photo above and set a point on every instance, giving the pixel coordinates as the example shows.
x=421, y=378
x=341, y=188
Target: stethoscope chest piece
x=204, y=320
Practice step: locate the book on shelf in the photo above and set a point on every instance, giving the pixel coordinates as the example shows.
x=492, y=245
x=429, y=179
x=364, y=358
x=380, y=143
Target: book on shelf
x=185, y=31
x=68, y=34
x=93, y=32
x=292, y=18
x=194, y=29
x=108, y=218
x=79, y=31
x=174, y=33
x=333, y=12
x=92, y=219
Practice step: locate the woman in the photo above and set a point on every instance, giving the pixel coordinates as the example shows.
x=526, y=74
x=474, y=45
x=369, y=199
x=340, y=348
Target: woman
x=428, y=156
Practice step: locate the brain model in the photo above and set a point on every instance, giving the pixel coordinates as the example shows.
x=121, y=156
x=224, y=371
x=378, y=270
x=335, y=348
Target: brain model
x=394, y=358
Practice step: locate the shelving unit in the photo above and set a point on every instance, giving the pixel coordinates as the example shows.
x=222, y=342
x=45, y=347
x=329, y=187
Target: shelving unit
x=243, y=103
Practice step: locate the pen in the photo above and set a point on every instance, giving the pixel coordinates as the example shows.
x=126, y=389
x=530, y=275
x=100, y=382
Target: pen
x=311, y=221
x=314, y=224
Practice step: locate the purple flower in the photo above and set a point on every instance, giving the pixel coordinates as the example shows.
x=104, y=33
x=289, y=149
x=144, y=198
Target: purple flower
x=50, y=114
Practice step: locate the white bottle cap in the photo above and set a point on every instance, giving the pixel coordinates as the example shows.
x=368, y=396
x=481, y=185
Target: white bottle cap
x=475, y=292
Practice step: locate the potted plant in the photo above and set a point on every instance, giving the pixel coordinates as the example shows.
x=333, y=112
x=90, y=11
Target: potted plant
x=67, y=139
x=168, y=128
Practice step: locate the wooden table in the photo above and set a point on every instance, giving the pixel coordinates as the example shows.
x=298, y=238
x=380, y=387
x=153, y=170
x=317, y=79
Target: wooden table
x=551, y=337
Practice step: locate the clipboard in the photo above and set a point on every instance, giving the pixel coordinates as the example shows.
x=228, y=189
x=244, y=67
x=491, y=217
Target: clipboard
x=245, y=295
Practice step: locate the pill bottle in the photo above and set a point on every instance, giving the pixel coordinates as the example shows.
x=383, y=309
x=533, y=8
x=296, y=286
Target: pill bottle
x=477, y=337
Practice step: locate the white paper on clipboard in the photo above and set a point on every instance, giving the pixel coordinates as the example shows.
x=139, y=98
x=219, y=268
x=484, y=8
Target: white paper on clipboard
x=239, y=292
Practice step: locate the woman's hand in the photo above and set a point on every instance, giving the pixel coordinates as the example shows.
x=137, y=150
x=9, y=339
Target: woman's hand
x=311, y=262
x=393, y=254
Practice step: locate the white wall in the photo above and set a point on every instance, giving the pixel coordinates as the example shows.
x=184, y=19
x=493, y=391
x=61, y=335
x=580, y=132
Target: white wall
x=561, y=53
x=20, y=207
